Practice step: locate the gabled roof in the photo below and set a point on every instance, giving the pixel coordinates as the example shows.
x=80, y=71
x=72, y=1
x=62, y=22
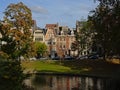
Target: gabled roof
x=51, y=25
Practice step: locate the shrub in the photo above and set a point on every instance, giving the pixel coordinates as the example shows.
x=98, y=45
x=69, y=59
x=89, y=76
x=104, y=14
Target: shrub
x=11, y=75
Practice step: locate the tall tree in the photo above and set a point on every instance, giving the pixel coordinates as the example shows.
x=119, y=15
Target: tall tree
x=15, y=30
x=83, y=38
x=106, y=21
x=16, y=41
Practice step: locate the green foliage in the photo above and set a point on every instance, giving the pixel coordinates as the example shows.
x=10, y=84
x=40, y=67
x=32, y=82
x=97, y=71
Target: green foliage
x=83, y=37
x=41, y=48
x=106, y=21
x=11, y=76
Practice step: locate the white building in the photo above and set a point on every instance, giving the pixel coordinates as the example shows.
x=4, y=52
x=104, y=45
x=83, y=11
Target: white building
x=38, y=35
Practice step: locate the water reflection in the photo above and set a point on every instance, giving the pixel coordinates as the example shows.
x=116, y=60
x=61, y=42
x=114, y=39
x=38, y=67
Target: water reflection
x=49, y=82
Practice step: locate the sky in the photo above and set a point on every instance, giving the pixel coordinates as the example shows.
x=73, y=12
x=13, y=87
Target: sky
x=63, y=12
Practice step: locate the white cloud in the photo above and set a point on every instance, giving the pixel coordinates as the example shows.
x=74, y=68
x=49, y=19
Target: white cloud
x=65, y=12
x=39, y=10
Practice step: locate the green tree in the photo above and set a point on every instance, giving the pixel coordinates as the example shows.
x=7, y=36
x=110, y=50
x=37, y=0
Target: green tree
x=11, y=75
x=83, y=38
x=106, y=21
x=41, y=48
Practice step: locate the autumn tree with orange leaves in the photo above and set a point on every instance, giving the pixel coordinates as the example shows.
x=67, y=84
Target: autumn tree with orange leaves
x=15, y=30
x=16, y=40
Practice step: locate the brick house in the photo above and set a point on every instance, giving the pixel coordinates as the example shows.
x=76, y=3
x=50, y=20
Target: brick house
x=59, y=40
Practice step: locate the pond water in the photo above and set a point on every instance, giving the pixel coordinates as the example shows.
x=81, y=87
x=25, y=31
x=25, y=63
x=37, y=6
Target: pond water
x=57, y=82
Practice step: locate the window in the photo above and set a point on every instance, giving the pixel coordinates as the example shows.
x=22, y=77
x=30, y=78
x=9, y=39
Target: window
x=60, y=46
x=38, y=32
x=63, y=46
x=49, y=42
x=60, y=39
x=53, y=43
x=38, y=39
x=64, y=39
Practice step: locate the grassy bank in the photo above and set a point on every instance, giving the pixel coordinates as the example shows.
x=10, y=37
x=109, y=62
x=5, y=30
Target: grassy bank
x=44, y=66
x=78, y=67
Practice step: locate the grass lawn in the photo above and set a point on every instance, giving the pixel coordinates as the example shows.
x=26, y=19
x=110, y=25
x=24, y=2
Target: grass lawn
x=45, y=66
x=80, y=67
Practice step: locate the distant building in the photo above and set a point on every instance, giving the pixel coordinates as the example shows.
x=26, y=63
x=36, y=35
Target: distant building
x=63, y=30
x=63, y=45
x=59, y=40
x=38, y=35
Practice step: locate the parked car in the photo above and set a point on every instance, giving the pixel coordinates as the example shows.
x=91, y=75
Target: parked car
x=69, y=58
x=56, y=58
x=82, y=57
x=96, y=56
x=43, y=58
x=32, y=58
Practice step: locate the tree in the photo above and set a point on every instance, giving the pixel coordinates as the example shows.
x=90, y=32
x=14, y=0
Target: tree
x=83, y=38
x=41, y=49
x=106, y=21
x=15, y=31
x=11, y=75
x=16, y=41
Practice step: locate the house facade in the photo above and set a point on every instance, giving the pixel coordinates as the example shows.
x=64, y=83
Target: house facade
x=59, y=40
x=38, y=35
